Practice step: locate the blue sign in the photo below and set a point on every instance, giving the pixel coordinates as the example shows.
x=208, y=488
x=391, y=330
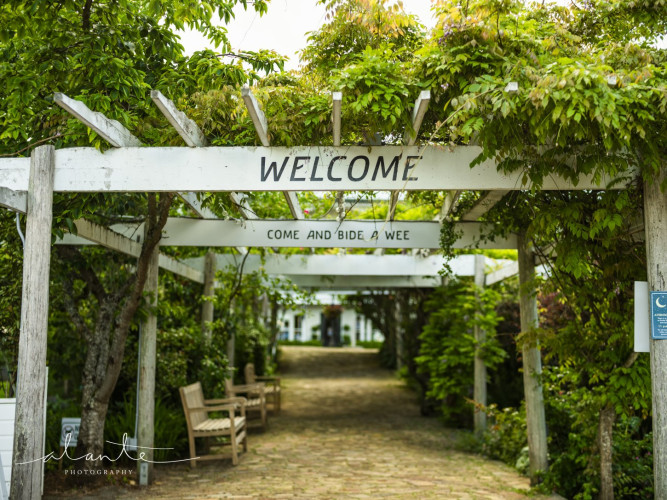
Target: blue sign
x=659, y=315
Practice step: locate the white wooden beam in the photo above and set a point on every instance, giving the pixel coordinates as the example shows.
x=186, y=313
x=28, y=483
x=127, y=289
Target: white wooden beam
x=294, y=205
x=193, y=137
x=483, y=205
x=242, y=205
x=256, y=115
x=14, y=200
x=418, y=112
x=502, y=273
x=335, y=116
x=350, y=265
x=451, y=200
x=317, y=234
x=191, y=200
x=360, y=282
x=111, y=131
x=186, y=128
x=262, y=128
x=110, y=239
x=279, y=169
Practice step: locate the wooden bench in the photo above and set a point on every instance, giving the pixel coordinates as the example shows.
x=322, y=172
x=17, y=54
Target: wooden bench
x=254, y=395
x=272, y=389
x=197, y=410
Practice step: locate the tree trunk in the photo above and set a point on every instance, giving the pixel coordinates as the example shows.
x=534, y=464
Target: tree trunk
x=106, y=343
x=655, y=224
x=93, y=408
x=207, y=309
x=398, y=314
x=605, y=441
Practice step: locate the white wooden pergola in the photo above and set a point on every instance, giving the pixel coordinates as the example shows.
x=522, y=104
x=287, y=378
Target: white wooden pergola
x=27, y=184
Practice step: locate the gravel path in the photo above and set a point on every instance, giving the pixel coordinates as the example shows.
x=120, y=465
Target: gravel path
x=348, y=430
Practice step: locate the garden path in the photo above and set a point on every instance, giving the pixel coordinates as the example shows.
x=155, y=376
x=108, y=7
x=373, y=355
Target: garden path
x=348, y=430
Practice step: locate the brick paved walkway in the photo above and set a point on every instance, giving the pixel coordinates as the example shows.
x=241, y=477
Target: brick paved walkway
x=348, y=430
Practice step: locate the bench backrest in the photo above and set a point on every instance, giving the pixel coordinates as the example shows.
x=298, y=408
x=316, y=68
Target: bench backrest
x=192, y=396
x=249, y=372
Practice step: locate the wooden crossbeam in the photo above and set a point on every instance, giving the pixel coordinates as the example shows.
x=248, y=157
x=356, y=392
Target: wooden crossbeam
x=351, y=265
x=91, y=233
x=262, y=128
x=242, y=205
x=94, y=233
x=193, y=137
x=14, y=200
x=186, y=128
x=317, y=234
x=111, y=131
x=418, y=112
x=337, y=98
x=483, y=205
x=305, y=168
x=361, y=282
x=118, y=136
x=451, y=200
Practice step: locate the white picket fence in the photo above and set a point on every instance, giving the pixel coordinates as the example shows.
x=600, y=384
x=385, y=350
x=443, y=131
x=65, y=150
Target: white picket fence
x=7, y=414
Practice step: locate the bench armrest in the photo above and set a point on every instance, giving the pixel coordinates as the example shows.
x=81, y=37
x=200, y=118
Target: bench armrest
x=269, y=379
x=248, y=388
x=229, y=408
x=239, y=400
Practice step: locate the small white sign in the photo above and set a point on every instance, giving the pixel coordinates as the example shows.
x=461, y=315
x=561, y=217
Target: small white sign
x=69, y=426
x=642, y=335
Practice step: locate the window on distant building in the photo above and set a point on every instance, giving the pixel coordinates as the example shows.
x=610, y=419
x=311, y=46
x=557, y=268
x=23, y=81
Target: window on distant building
x=284, y=334
x=298, y=323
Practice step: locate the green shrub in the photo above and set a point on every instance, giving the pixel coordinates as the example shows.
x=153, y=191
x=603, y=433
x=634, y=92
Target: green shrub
x=170, y=429
x=315, y=342
x=505, y=437
x=370, y=344
x=56, y=409
x=448, y=347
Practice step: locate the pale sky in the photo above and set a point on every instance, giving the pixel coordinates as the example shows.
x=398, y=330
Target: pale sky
x=284, y=27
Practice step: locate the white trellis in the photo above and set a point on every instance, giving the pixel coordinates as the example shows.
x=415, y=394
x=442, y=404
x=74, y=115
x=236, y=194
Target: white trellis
x=131, y=167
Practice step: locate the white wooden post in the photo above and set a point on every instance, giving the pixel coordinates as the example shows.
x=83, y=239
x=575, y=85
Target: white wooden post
x=655, y=223
x=207, y=306
x=29, y=425
x=479, y=390
x=147, y=359
x=532, y=365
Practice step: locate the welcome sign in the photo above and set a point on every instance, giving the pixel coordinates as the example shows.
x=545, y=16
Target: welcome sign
x=299, y=168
